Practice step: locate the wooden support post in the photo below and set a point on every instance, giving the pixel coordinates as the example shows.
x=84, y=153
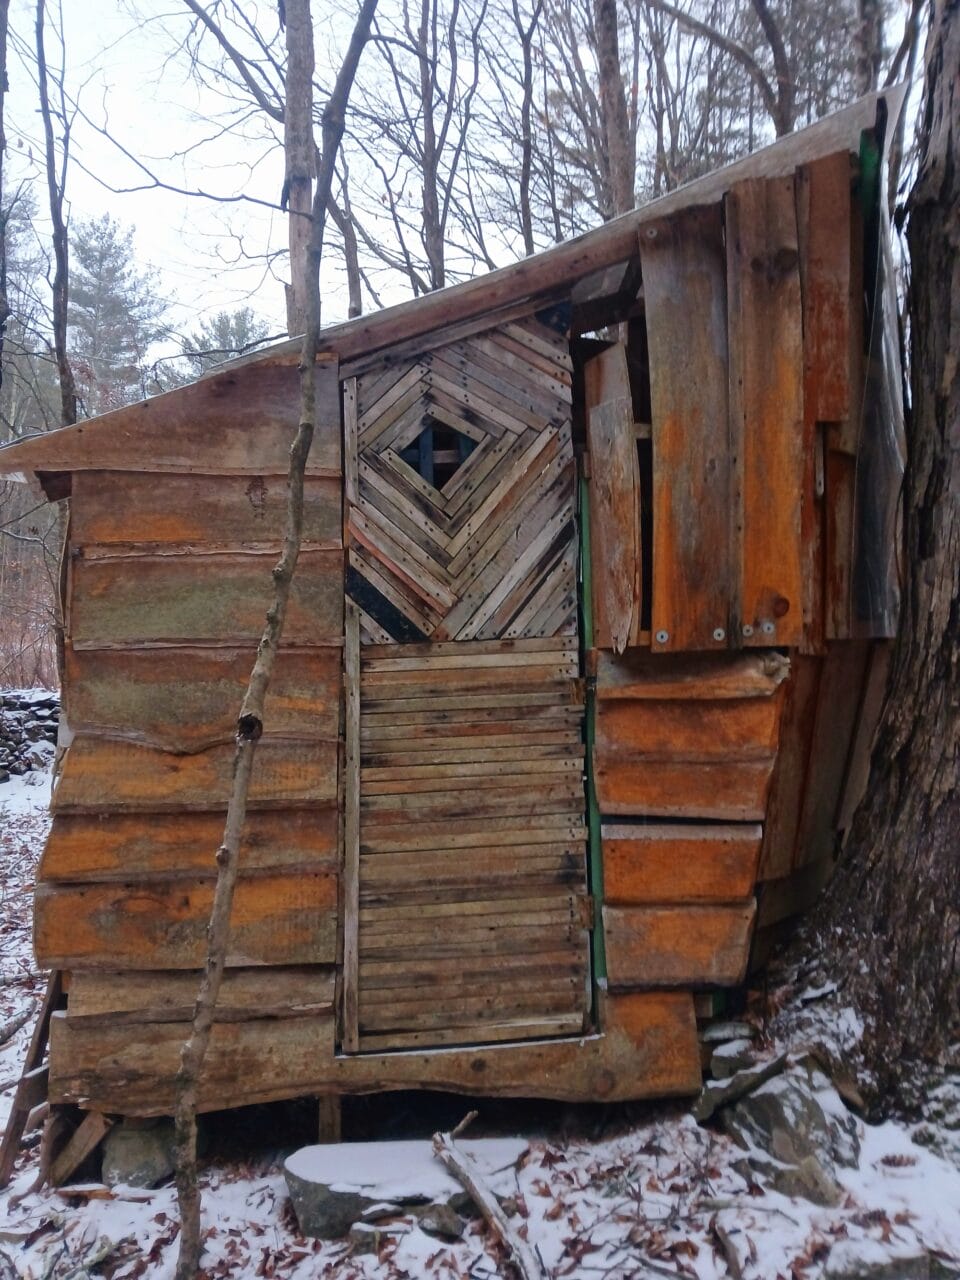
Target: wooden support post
x=329, y=1118
x=32, y=1087
x=94, y=1127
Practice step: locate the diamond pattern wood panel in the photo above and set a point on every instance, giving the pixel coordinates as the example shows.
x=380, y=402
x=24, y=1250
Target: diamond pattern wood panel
x=486, y=547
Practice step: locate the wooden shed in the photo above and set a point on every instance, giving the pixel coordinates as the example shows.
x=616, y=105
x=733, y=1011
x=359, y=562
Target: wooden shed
x=581, y=662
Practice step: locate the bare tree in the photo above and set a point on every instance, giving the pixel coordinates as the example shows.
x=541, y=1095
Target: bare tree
x=893, y=913
x=250, y=721
x=56, y=185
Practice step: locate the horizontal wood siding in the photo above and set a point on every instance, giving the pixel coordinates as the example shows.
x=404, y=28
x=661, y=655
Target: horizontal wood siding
x=104, y=776
x=113, y=997
x=661, y=863
x=666, y=746
x=114, y=510
x=186, y=699
x=221, y=598
x=239, y=421
x=170, y=577
x=127, y=846
x=677, y=946
x=275, y=919
x=649, y=1049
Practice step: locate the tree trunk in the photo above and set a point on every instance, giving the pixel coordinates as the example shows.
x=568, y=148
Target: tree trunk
x=299, y=150
x=250, y=721
x=621, y=154
x=896, y=898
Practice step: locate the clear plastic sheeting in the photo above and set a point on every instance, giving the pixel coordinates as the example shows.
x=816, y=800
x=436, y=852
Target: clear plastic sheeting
x=881, y=459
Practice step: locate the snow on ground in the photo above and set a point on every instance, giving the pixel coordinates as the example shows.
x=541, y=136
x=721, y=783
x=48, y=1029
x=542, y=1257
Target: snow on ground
x=660, y=1197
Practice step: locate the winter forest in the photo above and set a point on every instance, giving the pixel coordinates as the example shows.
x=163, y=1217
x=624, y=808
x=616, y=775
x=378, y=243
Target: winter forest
x=477, y=131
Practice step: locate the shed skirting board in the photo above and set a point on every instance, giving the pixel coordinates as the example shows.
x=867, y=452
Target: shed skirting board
x=648, y=1049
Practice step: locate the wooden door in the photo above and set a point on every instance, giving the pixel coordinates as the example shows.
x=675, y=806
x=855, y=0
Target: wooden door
x=465, y=835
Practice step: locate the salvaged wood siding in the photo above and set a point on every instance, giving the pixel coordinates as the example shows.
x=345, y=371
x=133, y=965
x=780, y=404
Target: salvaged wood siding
x=491, y=553
x=472, y=877
x=683, y=738
x=169, y=576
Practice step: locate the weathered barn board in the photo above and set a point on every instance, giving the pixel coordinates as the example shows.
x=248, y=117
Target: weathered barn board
x=419, y=905
x=765, y=326
x=101, y=776
x=658, y=863
x=112, y=996
x=694, y=677
x=823, y=205
x=614, y=499
x=231, y=423
x=673, y=945
x=275, y=919
x=511, y=891
x=183, y=699
x=153, y=600
x=484, y=548
x=730, y=792
x=123, y=846
x=690, y=736
x=119, y=509
x=648, y=1048
x=131, y=1068
x=824, y=211
x=789, y=780
x=726, y=729
x=694, y=577
x=838, y=706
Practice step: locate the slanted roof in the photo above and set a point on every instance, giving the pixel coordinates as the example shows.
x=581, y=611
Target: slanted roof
x=177, y=430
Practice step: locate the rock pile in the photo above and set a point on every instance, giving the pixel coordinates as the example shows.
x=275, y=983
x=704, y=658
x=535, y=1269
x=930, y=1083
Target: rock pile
x=28, y=730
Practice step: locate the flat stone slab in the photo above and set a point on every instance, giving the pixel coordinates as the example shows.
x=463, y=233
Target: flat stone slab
x=334, y=1185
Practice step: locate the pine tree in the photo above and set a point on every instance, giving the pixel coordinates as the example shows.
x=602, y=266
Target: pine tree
x=115, y=316
x=223, y=336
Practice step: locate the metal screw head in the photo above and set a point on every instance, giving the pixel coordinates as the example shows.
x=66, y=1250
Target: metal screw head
x=719, y=633
x=767, y=628
x=662, y=637
x=747, y=629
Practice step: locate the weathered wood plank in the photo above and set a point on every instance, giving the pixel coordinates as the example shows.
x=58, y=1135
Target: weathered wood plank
x=823, y=220
x=470, y=833
x=651, y=864
x=824, y=211
x=694, y=573
x=614, y=499
x=165, y=996
x=103, y=776
x=351, y=830
x=131, y=1069
x=276, y=919
x=670, y=946
x=726, y=729
x=839, y=699
x=185, y=699
x=648, y=1049
x=765, y=324
x=734, y=792
x=249, y=414
x=487, y=1032
x=690, y=676
x=123, y=508
x=128, y=847
x=789, y=778
x=221, y=599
